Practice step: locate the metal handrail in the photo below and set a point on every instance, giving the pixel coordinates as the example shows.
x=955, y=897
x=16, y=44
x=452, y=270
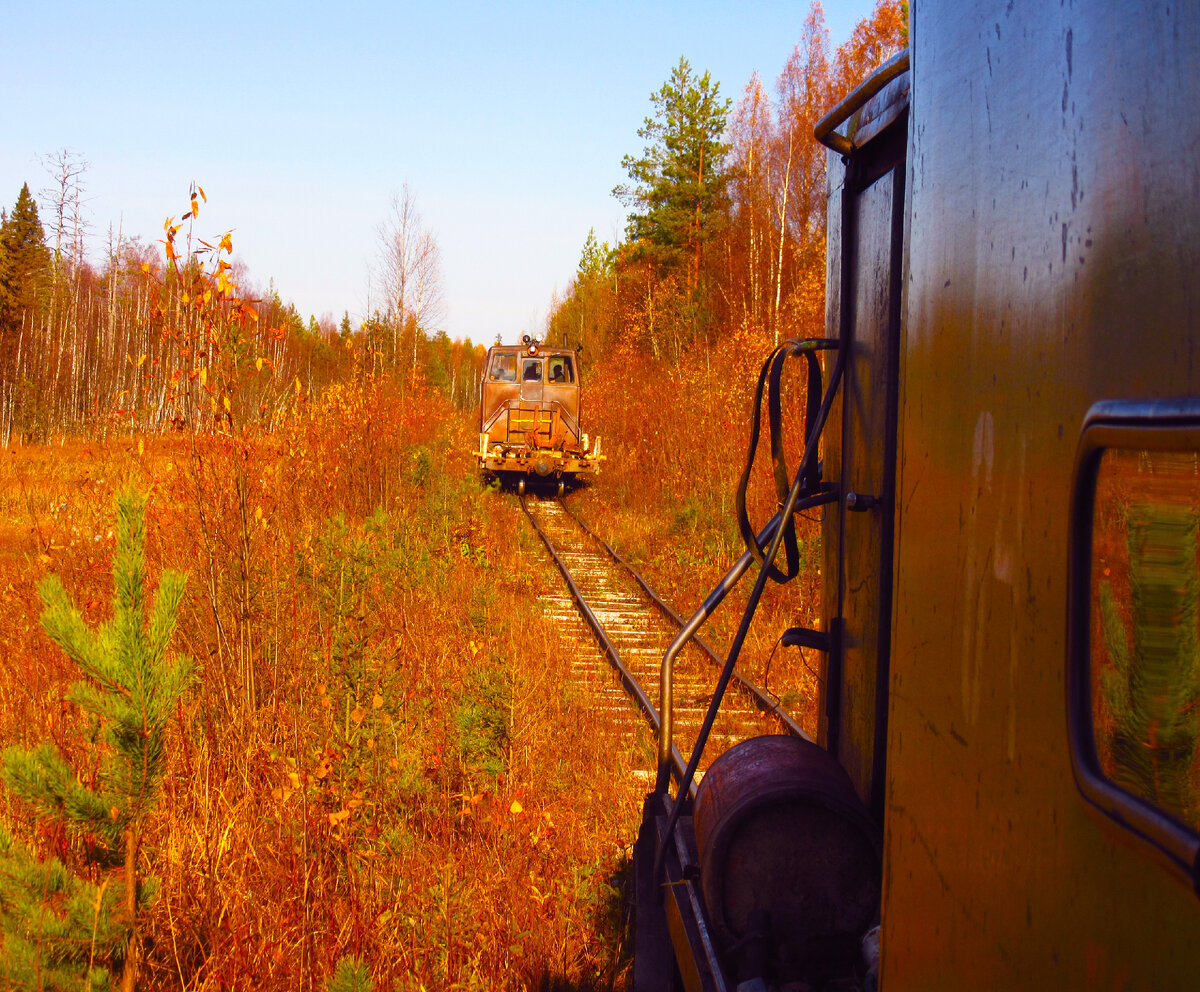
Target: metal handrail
x=789, y=507
x=825, y=131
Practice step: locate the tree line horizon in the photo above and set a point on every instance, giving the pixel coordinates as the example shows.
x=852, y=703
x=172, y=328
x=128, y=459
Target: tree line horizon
x=725, y=236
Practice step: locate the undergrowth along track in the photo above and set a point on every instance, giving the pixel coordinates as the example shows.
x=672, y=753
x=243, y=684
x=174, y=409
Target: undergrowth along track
x=630, y=628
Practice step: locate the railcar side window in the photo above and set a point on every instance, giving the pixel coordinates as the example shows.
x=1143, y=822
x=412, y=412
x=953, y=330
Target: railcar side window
x=1145, y=669
x=1133, y=671
x=504, y=368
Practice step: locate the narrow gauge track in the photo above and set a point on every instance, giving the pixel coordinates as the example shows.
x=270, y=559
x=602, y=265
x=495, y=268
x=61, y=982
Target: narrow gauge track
x=633, y=628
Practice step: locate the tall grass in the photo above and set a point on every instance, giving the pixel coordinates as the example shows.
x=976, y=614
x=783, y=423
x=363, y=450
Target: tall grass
x=384, y=759
x=383, y=756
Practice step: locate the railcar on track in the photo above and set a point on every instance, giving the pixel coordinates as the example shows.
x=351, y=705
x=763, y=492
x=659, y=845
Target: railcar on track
x=530, y=407
x=1004, y=440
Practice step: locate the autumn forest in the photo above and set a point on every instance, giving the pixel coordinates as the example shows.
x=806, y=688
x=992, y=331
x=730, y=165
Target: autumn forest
x=279, y=707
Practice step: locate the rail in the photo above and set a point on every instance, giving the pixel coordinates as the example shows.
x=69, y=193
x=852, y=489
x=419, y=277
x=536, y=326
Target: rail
x=757, y=701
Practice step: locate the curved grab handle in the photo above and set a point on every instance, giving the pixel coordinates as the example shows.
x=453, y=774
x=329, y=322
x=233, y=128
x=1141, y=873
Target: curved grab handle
x=824, y=132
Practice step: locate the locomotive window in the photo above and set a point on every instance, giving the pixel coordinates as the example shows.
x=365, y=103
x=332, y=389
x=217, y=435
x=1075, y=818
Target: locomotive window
x=504, y=368
x=531, y=370
x=1145, y=681
x=1134, y=672
x=560, y=370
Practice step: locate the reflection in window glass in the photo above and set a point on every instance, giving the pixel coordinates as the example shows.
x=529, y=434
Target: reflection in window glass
x=1145, y=584
x=559, y=370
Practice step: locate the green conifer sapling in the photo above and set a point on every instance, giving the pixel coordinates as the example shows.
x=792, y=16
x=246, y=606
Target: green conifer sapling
x=61, y=929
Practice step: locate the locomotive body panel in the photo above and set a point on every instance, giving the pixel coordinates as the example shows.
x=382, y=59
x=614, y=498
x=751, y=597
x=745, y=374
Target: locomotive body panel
x=1053, y=243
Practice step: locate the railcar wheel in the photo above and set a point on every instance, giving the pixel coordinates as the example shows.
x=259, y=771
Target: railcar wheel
x=521, y=486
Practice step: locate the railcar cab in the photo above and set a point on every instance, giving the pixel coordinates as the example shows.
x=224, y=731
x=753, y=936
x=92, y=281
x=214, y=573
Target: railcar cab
x=529, y=416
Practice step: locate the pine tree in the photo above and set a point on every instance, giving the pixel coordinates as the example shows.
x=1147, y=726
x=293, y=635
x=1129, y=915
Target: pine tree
x=350, y=975
x=24, y=261
x=679, y=179
x=64, y=929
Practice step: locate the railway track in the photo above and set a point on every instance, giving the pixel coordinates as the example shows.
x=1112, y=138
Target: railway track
x=622, y=625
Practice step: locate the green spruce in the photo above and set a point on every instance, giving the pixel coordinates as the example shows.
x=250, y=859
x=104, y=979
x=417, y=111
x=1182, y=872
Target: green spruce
x=679, y=180
x=24, y=263
x=78, y=926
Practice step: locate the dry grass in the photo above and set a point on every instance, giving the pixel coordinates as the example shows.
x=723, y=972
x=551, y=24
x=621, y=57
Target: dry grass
x=384, y=754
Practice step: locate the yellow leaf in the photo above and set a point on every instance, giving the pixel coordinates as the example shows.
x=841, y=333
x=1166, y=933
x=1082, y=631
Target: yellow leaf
x=203, y=377
x=141, y=361
x=295, y=779
x=258, y=364
x=227, y=242
x=376, y=702
x=141, y=447
x=516, y=808
x=258, y=513
x=225, y=400
x=357, y=714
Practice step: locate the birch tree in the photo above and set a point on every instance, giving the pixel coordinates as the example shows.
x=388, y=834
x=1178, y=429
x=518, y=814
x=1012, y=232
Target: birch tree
x=409, y=273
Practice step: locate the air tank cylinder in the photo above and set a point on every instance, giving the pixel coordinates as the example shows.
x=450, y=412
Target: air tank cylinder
x=781, y=830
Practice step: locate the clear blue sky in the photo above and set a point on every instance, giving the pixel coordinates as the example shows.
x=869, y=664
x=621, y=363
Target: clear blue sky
x=508, y=122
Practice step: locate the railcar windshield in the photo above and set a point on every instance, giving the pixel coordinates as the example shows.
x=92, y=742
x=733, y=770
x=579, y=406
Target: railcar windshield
x=531, y=370
x=504, y=368
x=561, y=369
